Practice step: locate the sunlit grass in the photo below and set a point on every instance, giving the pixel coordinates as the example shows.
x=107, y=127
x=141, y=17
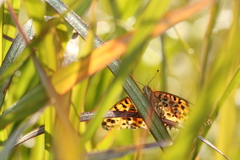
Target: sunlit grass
x=201, y=64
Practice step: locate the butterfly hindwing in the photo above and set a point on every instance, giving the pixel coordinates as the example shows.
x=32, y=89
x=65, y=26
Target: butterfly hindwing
x=123, y=122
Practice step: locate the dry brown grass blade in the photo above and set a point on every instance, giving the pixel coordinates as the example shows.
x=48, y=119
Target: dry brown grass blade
x=82, y=69
x=121, y=151
x=180, y=14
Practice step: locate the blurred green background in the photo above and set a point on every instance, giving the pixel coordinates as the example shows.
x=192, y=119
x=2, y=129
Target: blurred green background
x=178, y=54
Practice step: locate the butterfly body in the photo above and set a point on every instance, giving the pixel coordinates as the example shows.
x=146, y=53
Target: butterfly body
x=167, y=106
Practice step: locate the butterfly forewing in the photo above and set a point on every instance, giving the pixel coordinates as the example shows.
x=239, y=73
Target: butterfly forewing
x=168, y=106
x=171, y=107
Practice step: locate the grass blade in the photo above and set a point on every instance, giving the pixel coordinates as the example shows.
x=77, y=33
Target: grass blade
x=13, y=138
x=17, y=47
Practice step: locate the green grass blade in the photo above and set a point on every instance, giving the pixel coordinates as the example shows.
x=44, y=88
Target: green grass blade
x=27, y=105
x=233, y=84
x=9, y=28
x=10, y=143
x=208, y=42
x=63, y=124
x=1, y=32
x=15, y=50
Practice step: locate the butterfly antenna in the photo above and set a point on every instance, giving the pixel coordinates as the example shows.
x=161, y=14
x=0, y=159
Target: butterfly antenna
x=140, y=83
x=153, y=77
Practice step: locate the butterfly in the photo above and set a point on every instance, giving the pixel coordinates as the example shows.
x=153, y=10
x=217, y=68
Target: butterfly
x=168, y=106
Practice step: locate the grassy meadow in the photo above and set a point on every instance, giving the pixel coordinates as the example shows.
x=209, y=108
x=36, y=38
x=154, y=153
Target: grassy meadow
x=193, y=44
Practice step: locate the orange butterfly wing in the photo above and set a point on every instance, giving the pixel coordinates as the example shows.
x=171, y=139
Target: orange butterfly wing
x=171, y=107
x=167, y=106
x=123, y=122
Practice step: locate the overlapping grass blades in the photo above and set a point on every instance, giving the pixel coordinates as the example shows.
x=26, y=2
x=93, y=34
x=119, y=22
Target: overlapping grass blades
x=218, y=82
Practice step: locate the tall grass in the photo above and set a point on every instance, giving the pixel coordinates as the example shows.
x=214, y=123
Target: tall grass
x=197, y=55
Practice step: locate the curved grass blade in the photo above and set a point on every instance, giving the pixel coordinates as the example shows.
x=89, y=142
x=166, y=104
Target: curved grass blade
x=63, y=124
x=8, y=27
x=211, y=145
x=27, y=105
x=208, y=42
x=34, y=133
x=17, y=47
x=121, y=151
x=8, y=146
x=234, y=82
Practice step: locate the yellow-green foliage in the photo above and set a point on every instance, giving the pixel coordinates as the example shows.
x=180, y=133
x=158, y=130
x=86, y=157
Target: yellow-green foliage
x=198, y=59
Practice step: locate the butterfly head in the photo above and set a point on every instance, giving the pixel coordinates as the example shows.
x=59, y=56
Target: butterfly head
x=147, y=91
